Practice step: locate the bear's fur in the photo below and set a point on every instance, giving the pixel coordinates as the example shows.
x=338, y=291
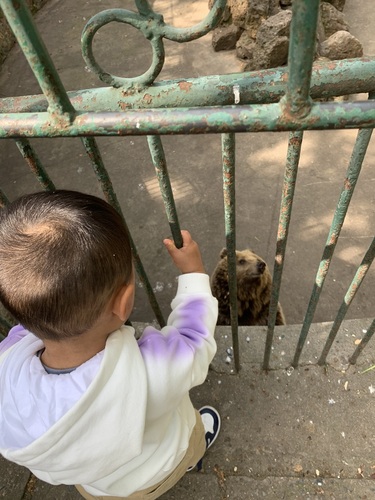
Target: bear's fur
x=254, y=284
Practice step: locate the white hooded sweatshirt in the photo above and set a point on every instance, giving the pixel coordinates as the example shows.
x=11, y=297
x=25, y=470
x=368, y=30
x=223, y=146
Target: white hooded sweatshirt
x=120, y=422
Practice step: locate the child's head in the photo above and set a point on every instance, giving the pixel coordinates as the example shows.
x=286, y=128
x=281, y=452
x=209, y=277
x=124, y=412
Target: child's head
x=63, y=255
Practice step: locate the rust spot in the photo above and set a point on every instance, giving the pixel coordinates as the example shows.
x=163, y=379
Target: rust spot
x=285, y=77
x=186, y=86
x=347, y=184
x=147, y=98
x=123, y=105
x=294, y=141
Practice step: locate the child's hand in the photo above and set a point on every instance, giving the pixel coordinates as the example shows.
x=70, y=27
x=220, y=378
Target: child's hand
x=188, y=258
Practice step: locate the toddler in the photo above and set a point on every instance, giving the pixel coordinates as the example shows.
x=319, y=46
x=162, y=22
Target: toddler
x=82, y=402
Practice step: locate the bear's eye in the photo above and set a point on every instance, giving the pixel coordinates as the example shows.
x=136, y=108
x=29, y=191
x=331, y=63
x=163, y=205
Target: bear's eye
x=242, y=262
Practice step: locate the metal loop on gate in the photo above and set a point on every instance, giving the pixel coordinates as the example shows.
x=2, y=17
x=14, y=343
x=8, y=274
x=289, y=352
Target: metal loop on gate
x=153, y=28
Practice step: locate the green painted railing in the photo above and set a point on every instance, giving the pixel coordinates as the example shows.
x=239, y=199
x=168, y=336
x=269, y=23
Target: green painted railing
x=280, y=99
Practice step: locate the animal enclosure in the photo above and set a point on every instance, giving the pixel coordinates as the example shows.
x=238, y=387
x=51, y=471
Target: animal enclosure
x=144, y=111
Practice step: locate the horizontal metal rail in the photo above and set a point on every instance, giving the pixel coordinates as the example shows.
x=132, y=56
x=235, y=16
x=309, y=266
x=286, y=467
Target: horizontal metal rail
x=255, y=118
x=328, y=79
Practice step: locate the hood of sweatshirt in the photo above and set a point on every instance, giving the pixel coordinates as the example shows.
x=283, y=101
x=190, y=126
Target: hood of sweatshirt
x=119, y=386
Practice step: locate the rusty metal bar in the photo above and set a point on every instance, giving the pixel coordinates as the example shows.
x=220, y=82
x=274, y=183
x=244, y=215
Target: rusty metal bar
x=328, y=79
x=301, y=56
x=158, y=159
x=36, y=53
x=349, y=296
x=3, y=199
x=370, y=332
x=5, y=326
x=105, y=182
x=355, y=165
x=34, y=163
x=290, y=178
x=228, y=146
x=256, y=118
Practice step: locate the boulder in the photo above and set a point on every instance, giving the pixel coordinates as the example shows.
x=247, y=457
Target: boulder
x=245, y=47
x=273, y=27
x=258, y=11
x=332, y=19
x=225, y=37
x=339, y=4
x=341, y=45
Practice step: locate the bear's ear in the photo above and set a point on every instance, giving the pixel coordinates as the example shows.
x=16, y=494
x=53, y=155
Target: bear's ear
x=223, y=253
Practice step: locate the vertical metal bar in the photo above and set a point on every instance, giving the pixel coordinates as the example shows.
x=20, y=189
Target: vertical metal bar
x=143, y=7
x=4, y=323
x=349, y=296
x=105, y=182
x=290, y=178
x=301, y=56
x=23, y=26
x=228, y=146
x=34, y=163
x=160, y=164
x=355, y=165
x=3, y=199
x=370, y=332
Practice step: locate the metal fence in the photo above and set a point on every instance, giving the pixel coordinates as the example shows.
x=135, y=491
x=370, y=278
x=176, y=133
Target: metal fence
x=269, y=100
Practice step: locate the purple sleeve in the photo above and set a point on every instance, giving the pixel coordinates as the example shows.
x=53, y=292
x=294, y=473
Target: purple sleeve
x=177, y=357
x=15, y=334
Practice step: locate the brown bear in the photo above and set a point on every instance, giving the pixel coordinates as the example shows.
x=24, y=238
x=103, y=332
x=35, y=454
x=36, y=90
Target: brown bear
x=254, y=284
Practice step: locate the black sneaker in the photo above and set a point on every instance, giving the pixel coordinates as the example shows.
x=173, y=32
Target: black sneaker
x=211, y=423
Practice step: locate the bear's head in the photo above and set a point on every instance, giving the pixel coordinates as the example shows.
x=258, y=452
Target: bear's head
x=253, y=276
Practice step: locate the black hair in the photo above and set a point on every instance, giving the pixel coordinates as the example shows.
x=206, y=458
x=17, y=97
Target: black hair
x=63, y=254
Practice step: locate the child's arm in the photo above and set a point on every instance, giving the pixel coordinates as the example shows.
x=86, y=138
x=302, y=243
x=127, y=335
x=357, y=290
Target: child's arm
x=178, y=356
x=188, y=258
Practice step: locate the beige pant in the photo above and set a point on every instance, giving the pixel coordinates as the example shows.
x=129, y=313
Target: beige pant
x=195, y=451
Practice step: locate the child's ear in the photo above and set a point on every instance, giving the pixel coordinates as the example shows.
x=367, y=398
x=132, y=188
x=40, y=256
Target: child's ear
x=123, y=302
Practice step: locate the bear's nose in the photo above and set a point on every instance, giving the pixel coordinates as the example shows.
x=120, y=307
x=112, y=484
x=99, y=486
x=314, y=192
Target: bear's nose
x=261, y=266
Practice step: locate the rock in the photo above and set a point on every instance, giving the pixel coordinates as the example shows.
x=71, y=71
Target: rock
x=272, y=42
x=248, y=14
x=339, y=4
x=258, y=11
x=341, y=45
x=239, y=10
x=274, y=26
x=274, y=54
x=333, y=20
x=245, y=46
x=225, y=37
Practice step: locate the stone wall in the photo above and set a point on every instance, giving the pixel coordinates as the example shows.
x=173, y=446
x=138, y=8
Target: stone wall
x=7, y=38
x=259, y=32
